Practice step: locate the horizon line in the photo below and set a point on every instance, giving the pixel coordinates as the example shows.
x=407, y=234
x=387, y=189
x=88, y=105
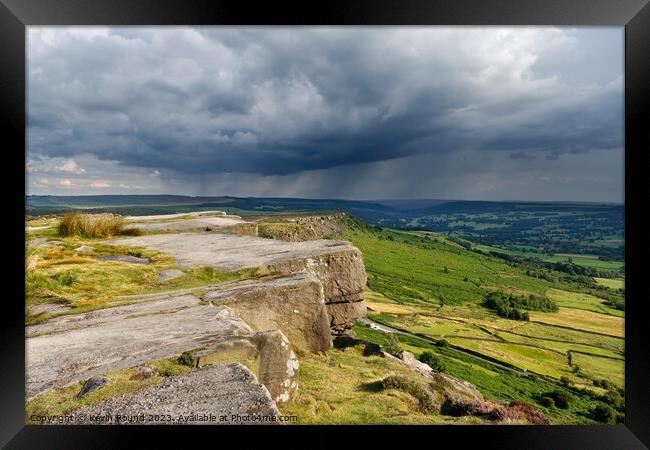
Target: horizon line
x=336, y=199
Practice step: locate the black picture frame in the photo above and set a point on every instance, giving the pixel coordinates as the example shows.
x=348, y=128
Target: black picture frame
x=634, y=15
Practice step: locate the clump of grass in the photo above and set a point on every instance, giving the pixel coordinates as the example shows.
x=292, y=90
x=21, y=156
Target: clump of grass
x=417, y=390
x=90, y=225
x=131, y=232
x=186, y=359
x=169, y=367
x=41, y=287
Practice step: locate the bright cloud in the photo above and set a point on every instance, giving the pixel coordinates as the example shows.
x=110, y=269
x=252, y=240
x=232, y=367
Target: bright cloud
x=70, y=166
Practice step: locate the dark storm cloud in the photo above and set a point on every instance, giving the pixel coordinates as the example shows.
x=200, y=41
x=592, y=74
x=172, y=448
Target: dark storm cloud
x=521, y=155
x=273, y=101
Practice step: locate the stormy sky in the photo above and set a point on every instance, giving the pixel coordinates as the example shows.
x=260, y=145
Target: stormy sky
x=362, y=113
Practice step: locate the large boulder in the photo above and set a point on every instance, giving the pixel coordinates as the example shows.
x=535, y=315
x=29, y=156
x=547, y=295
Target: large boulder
x=294, y=305
x=344, y=278
x=268, y=354
x=341, y=271
x=455, y=396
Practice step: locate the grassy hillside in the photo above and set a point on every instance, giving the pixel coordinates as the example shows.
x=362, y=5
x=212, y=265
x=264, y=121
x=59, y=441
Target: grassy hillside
x=435, y=270
x=434, y=288
x=495, y=382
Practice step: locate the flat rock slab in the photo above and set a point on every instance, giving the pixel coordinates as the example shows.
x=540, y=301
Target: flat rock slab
x=43, y=242
x=230, y=252
x=77, y=347
x=187, y=224
x=44, y=227
x=204, y=396
x=170, y=274
x=47, y=308
x=125, y=258
x=338, y=265
x=177, y=215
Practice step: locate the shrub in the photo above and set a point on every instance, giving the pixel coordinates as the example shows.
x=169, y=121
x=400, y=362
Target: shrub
x=453, y=407
x=518, y=409
x=186, y=359
x=432, y=361
x=442, y=343
x=547, y=401
x=604, y=384
x=392, y=345
x=562, y=399
x=603, y=413
x=511, y=306
x=90, y=225
x=614, y=399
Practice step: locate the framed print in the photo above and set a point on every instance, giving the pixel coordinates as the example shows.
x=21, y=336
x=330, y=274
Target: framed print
x=359, y=217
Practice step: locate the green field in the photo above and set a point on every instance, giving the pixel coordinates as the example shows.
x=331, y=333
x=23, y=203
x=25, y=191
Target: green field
x=612, y=283
x=594, y=263
x=580, y=300
x=591, y=261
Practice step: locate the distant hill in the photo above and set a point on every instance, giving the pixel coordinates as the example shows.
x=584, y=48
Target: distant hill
x=538, y=227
